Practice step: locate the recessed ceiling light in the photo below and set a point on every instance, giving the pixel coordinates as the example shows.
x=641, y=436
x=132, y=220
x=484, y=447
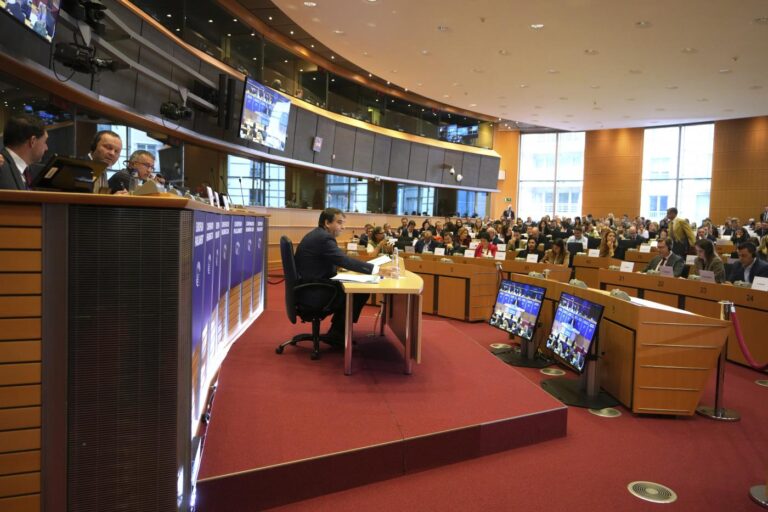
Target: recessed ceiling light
x=255, y=58
x=270, y=18
x=594, y=86
x=446, y=95
x=419, y=84
x=635, y=71
x=371, y=24
x=333, y=79
x=301, y=71
x=229, y=35
x=563, y=98
x=724, y=71
x=590, y=51
x=688, y=49
x=671, y=87
x=479, y=71
x=387, y=82
x=473, y=104
x=253, y=34
x=210, y=21
x=523, y=86
x=338, y=32
x=537, y=26
x=502, y=106
x=504, y=52
x=596, y=108
x=630, y=99
x=702, y=100
x=660, y=109
x=552, y=71
x=643, y=24
x=310, y=4
x=286, y=61
x=169, y=15
x=370, y=75
x=333, y=57
x=755, y=87
x=424, y=52
x=371, y=1
x=393, y=71
x=365, y=54
x=311, y=46
x=763, y=20
x=178, y=30
x=234, y=19
x=443, y=28
x=291, y=32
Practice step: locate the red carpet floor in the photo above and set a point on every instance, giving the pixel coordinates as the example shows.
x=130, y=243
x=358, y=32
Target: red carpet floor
x=286, y=415
x=710, y=465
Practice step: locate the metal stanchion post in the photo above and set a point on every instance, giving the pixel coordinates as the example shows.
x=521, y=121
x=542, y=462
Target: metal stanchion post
x=718, y=412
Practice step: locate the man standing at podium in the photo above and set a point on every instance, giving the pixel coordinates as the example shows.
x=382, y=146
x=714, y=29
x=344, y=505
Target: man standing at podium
x=316, y=259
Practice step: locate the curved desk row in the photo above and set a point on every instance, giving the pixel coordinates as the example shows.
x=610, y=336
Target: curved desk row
x=652, y=358
x=701, y=298
x=116, y=314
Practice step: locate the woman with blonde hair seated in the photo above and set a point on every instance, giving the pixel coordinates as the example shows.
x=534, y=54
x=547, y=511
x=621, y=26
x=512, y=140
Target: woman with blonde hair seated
x=762, y=251
x=558, y=254
x=608, y=244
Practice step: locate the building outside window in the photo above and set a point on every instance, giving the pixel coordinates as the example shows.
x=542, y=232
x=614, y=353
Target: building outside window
x=677, y=171
x=346, y=193
x=470, y=203
x=551, y=174
x=247, y=184
x=415, y=200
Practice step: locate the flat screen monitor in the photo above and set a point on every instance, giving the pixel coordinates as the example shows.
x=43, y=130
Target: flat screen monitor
x=265, y=115
x=517, y=308
x=39, y=16
x=573, y=330
x=66, y=174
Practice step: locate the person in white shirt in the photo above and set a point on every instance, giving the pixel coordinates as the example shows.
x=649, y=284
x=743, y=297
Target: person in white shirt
x=578, y=236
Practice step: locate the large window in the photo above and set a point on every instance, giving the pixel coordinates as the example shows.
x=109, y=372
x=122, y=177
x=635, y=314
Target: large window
x=415, y=200
x=346, y=193
x=471, y=204
x=256, y=183
x=677, y=171
x=551, y=174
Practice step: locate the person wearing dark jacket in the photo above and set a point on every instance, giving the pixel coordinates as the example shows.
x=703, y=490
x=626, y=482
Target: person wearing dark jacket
x=316, y=259
x=749, y=265
x=26, y=141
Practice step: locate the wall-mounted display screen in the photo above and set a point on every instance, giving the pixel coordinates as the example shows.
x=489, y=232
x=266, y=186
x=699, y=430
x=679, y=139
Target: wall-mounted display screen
x=458, y=134
x=39, y=16
x=517, y=308
x=573, y=330
x=265, y=115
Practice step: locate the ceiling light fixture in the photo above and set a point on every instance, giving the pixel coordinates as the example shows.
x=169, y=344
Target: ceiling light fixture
x=763, y=20
x=270, y=18
x=595, y=86
x=333, y=57
x=552, y=71
x=643, y=24
x=459, y=177
x=234, y=19
x=724, y=71
x=537, y=26
x=425, y=52
x=689, y=50
x=671, y=87
x=291, y=32
x=338, y=32
x=473, y=104
x=590, y=51
x=523, y=86
x=504, y=52
x=169, y=15
x=635, y=72
x=310, y=4
x=443, y=28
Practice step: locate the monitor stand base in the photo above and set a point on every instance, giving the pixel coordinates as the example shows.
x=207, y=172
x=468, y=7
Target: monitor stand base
x=516, y=358
x=571, y=392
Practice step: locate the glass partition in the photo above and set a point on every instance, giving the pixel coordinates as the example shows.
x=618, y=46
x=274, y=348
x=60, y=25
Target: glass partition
x=213, y=30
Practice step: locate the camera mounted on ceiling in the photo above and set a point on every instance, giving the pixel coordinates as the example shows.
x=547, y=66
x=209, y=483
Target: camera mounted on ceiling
x=91, y=12
x=175, y=112
x=83, y=59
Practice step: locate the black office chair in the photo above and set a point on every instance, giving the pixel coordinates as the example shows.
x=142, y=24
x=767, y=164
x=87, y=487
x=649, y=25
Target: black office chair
x=297, y=305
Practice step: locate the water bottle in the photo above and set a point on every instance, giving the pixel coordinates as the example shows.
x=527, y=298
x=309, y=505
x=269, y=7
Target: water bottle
x=396, y=264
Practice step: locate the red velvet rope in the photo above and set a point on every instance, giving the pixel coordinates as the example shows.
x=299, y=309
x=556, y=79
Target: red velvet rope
x=737, y=327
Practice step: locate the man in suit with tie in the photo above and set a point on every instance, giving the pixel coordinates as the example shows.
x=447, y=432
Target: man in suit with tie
x=508, y=213
x=666, y=258
x=749, y=266
x=26, y=141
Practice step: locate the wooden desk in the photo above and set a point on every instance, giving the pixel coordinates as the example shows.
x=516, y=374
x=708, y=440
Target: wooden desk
x=640, y=257
x=653, y=359
x=401, y=311
x=585, y=268
x=560, y=273
x=702, y=298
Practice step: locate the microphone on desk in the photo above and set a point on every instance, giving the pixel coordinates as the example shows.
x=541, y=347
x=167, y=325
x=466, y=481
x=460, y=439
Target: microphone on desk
x=242, y=193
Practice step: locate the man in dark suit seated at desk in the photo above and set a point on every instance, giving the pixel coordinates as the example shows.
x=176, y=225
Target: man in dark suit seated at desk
x=666, y=258
x=26, y=141
x=316, y=259
x=749, y=266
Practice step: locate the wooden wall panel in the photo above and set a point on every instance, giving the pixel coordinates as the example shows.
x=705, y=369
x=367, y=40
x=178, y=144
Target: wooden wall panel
x=613, y=171
x=20, y=356
x=507, y=145
x=739, y=169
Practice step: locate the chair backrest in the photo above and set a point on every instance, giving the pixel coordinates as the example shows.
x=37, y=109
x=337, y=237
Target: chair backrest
x=291, y=276
x=593, y=242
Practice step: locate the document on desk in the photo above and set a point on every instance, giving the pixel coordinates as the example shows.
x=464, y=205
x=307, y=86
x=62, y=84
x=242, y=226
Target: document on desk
x=357, y=278
x=380, y=260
